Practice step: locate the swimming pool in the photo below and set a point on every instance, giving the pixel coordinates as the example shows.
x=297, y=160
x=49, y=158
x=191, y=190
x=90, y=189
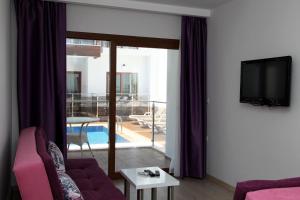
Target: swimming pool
x=97, y=134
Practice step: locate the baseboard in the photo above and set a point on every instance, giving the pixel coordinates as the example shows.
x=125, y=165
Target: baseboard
x=14, y=193
x=10, y=189
x=9, y=194
x=221, y=183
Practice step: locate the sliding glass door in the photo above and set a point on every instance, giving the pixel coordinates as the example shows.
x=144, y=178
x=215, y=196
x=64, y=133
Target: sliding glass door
x=88, y=63
x=117, y=100
x=141, y=107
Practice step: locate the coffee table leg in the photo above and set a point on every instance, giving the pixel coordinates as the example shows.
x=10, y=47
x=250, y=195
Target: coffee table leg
x=154, y=194
x=140, y=194
x=126, y=189
x=170, y=193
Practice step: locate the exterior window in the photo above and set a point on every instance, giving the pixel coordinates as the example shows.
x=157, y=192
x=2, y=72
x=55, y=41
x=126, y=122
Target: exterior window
x=74, y=82
x=126, y=84
x=82, y=42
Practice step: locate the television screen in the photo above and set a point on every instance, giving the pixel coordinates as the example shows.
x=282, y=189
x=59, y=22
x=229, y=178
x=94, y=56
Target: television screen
x=266, y=81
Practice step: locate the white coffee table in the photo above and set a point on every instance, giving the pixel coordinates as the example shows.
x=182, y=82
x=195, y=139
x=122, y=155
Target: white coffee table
x=141, y=182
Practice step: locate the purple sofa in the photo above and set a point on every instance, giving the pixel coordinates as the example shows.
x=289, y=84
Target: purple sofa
x=243, y=188
x=88, y=176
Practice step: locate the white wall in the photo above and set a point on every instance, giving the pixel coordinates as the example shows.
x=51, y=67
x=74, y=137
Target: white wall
x=122, y=22
x=5, y=105
x=13, y=81
x=247, y=142
x=173, y=111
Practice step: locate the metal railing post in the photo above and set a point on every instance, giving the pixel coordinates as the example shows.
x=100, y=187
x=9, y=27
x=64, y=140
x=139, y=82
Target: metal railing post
x=153, y=121
x=72, y=105
x=132, y=104
x=97, y=114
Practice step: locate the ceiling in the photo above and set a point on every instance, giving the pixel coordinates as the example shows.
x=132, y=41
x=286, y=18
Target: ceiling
x=189, y=3
x=201, y=8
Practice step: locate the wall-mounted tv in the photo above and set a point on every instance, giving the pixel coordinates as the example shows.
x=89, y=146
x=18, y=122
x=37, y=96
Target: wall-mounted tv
x=266, y=81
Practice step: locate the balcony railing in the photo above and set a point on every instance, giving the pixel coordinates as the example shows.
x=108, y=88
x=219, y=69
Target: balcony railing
x=147, y=114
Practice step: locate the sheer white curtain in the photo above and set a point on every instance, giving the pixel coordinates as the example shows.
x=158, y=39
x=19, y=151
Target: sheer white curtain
x=173, y=111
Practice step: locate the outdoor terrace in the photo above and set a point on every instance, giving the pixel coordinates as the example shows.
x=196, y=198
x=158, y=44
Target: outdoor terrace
x=139, y=141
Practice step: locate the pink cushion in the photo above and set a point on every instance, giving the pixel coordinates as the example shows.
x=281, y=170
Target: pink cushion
x=292, y=193
x=29, y=169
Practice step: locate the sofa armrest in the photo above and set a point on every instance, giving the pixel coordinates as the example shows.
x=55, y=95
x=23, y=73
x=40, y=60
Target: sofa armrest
x=243, y=188
x=29, y=169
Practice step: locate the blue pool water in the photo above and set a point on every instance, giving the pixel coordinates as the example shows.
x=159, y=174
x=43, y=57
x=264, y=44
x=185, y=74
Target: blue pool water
x=97, y=134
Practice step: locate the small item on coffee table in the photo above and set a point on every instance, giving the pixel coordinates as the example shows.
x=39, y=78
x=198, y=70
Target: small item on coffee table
x=143, y=173
x=149, y=172
x=157, y=173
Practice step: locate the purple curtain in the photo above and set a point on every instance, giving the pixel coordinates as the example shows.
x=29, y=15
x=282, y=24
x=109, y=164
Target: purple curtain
x=41, y=60
x=193, y=97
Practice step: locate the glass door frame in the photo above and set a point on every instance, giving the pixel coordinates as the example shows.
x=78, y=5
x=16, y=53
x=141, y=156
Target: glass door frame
x=115, y=41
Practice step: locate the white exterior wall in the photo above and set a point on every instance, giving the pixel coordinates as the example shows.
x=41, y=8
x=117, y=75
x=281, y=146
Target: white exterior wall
x=158, y=75
x=79, y=64
x=150, y=65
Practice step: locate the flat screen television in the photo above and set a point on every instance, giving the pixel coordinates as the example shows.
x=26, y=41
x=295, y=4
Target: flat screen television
x=266, y=81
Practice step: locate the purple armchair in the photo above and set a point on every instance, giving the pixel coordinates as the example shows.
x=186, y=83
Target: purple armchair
x=243, y=188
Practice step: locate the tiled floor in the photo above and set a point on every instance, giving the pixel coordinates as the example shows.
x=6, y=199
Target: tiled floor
x=128, y=158
x=189, y=189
